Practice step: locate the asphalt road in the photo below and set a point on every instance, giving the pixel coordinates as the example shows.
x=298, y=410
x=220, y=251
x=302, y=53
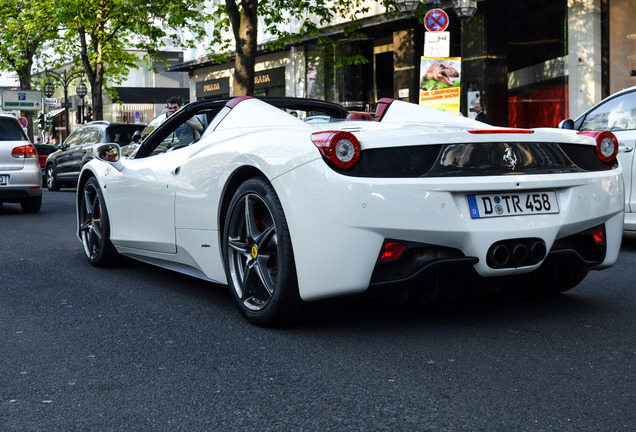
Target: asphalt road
x=138, y=348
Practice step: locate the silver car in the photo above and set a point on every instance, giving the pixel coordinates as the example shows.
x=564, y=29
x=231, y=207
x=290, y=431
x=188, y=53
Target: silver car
x=20, y=174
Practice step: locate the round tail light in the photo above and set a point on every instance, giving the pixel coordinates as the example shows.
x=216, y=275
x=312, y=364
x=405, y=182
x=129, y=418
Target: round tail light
x=606, y=144
x=340, y=148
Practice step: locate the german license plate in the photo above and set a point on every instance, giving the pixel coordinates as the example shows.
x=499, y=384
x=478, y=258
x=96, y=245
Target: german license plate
x=4, y=179
x=512, y=204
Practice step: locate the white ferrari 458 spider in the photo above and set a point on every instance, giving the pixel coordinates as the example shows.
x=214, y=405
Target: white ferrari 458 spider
x=290, y=202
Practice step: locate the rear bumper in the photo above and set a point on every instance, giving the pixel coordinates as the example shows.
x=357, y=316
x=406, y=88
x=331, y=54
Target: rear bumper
x=21, y=184
x=338, y=224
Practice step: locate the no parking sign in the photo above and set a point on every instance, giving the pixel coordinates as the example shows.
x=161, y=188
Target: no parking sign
x=436, y=20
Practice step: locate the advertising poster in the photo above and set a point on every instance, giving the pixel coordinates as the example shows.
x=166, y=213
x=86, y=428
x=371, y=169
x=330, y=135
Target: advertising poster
x=440, y=83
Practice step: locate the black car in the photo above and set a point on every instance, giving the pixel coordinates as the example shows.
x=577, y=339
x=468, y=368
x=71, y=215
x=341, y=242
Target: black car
x=64, y=165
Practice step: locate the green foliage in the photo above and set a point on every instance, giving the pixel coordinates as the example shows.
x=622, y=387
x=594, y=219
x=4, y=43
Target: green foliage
x=289, y=21
x=25, y=26
x=102, y=33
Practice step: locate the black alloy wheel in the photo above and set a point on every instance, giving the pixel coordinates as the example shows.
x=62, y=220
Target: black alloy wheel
x=258, y=256
x=94, y=225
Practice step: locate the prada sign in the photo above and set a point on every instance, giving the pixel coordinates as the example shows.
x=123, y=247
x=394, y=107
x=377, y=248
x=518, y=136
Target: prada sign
x=269, y=78
x=211, y=88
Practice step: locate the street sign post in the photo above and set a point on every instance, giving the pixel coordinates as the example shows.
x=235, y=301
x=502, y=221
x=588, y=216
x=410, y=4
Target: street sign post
x=437, y=44
x=436, y=20
x=25, y=100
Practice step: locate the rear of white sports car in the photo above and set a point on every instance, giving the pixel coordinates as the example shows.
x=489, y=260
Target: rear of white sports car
x=417, y=208
x=415, y=205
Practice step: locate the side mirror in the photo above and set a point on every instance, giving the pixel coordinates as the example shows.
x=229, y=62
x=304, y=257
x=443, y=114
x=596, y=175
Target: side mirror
x=566, y=124
x=110, y=153
x=136, y=136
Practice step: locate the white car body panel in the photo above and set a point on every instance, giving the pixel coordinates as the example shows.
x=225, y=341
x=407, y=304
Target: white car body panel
x=625, y=132
x=166, y=209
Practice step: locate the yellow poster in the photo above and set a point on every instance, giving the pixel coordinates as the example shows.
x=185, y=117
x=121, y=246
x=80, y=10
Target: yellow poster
x=440, y=83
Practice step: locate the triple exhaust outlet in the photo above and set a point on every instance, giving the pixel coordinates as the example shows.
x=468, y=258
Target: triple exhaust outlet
x=516, y=253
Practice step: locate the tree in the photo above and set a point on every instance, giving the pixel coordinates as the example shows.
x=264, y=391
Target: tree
x=104, y=33
x=25, y=26
x=277, y=16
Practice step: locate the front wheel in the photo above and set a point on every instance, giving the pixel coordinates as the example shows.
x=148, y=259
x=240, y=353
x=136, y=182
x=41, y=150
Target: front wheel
x=259, y=260
x=51, y=184
x=95, y=226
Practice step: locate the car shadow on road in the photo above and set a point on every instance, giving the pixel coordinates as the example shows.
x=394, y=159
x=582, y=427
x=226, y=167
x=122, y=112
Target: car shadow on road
x=476, y=307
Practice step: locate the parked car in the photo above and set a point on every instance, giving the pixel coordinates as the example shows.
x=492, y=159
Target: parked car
x=20, y=176
x=63, y=166
x=44, y=150
x=616, y=113
x=415, y=204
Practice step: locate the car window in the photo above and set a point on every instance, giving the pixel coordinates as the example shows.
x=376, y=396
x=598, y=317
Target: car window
x=122, y=134
x=616, y=114
x=89, y=135
x=10, y=130
x=170, y=136
x=73, y=139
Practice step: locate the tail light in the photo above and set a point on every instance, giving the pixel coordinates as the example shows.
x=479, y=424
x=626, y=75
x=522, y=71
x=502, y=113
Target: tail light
x=606, y=144
x=24, y=152
x=599, y=234
x=340, y=148
x=391, y=251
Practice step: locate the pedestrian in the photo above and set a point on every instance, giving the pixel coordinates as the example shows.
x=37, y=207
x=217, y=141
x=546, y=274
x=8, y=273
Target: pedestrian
x=191, y=129
x=480, y=113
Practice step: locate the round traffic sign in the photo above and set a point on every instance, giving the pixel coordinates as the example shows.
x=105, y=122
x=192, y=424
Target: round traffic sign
x=23, y=121
x=436, y=20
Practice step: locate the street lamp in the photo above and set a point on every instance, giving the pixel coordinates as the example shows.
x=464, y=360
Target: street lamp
x=81, y=92
x=465, y=9
x=65, y=80
x=407, y=5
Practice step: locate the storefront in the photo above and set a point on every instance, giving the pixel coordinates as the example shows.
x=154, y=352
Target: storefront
x=530, y=63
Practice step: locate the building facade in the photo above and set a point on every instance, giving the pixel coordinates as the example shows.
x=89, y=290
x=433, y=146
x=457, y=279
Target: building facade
x=139, y=98
x=531, y=63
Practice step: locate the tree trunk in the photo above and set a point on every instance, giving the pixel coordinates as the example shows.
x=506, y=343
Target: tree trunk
x=24, y=75
x=97, y=93
x=245, y=28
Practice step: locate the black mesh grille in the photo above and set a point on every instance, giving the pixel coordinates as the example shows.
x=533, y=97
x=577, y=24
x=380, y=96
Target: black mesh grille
x=399, y=162
x=476, y=159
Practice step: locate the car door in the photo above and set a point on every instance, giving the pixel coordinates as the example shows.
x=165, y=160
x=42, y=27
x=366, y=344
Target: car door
x=142, y=196
x=141, y=201
x=65, y=156
x=90, y=136
x=618, y=115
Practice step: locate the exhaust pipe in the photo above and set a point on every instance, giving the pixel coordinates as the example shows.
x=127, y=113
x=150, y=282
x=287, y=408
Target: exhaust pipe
x=538, y=251
x=520, y=253
x=516, y=253
x=499, y=255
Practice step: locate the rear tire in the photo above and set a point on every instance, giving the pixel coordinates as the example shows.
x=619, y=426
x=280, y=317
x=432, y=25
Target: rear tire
x=51, y=183
x=258, y=256
x=95, y=226
x=31, y=205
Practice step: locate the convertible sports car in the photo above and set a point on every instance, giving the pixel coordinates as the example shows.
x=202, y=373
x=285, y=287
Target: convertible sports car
x=414, y=204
